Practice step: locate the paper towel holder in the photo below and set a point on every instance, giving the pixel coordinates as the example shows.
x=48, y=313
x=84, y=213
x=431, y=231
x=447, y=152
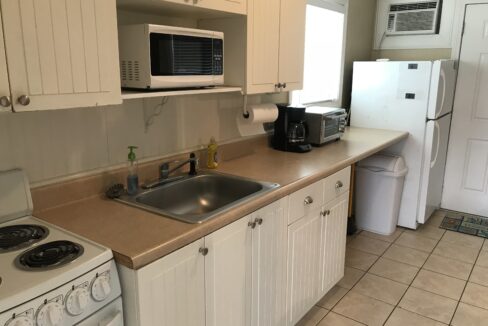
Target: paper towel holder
x=245, y=113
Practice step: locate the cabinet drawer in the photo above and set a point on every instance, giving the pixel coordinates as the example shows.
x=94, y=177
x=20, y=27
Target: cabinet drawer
x=305, y=200
x=337, y=184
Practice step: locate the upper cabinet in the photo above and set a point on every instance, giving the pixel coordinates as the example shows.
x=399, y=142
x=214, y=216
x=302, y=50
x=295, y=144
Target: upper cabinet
x=5, y=104
x=275, y=45
x=186, y=8
x=61, y=53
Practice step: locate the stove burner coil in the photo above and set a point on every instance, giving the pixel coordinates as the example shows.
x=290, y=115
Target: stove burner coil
x=50, y=255
x=14, y=237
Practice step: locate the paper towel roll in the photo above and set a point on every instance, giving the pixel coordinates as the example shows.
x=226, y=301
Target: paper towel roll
x=258, y=114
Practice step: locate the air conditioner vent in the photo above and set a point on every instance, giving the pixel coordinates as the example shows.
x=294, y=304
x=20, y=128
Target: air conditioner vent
x=414, y=18
x=414, y=6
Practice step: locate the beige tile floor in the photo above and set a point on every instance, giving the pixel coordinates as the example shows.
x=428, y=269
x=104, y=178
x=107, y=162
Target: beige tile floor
x=425, y=277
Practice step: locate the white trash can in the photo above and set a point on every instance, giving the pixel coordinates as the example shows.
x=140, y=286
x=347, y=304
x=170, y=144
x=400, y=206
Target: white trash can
x=379, y=187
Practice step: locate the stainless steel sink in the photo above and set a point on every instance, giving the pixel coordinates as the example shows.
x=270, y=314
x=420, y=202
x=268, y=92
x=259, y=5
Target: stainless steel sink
x=195, y=199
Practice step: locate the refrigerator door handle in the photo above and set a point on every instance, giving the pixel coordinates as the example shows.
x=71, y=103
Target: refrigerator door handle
x=437, y=129
x=443, y=100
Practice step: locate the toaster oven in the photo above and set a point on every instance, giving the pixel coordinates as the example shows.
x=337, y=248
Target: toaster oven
x=325, y=124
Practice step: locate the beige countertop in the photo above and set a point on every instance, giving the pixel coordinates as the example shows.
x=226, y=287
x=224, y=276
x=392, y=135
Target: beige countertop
x=138, y=238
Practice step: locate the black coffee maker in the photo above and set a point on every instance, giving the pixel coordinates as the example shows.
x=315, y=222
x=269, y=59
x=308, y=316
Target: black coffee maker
x=290, y=131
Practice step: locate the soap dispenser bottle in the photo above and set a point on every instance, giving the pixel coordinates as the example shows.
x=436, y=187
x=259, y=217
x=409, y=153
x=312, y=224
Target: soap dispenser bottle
x=212, y=154
x=132, y=177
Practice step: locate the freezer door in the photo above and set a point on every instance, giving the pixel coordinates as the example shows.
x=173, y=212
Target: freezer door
x=442, y=88
x=434, y=165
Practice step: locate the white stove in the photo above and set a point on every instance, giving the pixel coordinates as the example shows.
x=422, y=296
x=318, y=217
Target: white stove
x=49, y=276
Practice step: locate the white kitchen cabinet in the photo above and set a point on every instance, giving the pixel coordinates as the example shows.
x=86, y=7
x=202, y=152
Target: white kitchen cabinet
x=168, y=292
x=5, y=102
x=275, y=45
x=303, y=286
x=269, y=248
x=233, y=6
x=333, y=243
x=61, y=53
x=228, y=275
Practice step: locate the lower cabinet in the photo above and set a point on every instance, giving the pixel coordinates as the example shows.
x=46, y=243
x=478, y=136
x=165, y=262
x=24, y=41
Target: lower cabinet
x=234, y=276
x=304, y=238
x=333, y=243
x=257, y=271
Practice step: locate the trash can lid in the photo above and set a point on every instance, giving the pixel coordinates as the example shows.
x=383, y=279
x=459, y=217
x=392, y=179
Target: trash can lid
x=384, y=162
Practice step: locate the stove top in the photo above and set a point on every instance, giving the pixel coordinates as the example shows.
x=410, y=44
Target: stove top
x=50, y=255
x=59, y=257
x=15, y=237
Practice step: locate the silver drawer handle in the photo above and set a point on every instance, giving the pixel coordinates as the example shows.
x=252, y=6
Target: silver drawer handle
x=5, y=101
x=339, y=185
x=308, y=200
x=24, y=100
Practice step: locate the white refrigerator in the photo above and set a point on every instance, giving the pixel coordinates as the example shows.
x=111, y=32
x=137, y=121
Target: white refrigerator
x=413, y=96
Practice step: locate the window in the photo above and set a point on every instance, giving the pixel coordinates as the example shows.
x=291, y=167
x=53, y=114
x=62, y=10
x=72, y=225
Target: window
x=324, y=49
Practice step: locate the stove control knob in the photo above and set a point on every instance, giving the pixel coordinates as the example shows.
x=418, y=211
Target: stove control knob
x=77, y=301
x=101, y=288
x=51, y=314
x=20, y=321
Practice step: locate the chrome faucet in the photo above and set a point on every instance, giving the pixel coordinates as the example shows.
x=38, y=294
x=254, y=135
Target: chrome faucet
x=165, y=171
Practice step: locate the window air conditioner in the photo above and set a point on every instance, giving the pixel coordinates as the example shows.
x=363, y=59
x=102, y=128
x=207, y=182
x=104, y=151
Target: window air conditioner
x=414, y=18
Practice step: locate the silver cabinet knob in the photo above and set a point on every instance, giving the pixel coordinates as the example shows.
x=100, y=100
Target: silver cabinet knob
x=259, y=221
x=252, y=225
x=203, y=251
x=325, y=213
x=5, y=101
x=339, y=184
x=24, y=100
x=308, y=200
x=279, y=85
x=284, y=85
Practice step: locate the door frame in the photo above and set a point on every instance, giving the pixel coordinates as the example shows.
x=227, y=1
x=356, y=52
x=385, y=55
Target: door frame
x=457, y=29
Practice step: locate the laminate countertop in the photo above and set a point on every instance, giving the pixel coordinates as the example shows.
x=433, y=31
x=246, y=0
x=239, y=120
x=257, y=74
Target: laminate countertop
x=138, y=237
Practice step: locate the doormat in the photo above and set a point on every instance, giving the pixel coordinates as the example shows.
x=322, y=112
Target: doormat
x=466, y=223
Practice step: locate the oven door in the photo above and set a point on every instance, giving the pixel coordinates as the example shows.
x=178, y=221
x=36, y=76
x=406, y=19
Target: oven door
x=333, y=127
x=110, y=315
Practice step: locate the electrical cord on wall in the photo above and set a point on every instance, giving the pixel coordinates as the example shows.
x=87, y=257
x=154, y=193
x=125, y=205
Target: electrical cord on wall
x=156, y=112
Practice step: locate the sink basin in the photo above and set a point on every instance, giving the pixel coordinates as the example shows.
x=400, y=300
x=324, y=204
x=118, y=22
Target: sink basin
x=195, y=199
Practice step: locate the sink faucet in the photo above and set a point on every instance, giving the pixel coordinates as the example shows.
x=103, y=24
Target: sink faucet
x=164, y=170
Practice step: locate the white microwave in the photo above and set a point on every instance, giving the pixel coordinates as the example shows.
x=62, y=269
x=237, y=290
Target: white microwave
x=162, y=57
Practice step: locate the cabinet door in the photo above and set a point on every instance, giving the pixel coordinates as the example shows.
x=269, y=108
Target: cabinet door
x=234, y=6
x=61, y=53
x=4, y=85
x=172, y=290
x=269, y=266
x=292, y=43
x=333, y=243
x=263, y=37
x=228, y=275
x=303, y=265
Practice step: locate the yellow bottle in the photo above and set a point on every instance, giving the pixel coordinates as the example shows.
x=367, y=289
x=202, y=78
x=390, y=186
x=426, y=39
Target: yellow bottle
x=212, y=154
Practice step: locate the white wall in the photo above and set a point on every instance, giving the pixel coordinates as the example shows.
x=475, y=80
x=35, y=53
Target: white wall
x=53, y=144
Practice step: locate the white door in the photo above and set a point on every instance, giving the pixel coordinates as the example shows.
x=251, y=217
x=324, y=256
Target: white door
x=466, y=177
x=5, y=105
x=228, y=275
x=303, y=265
x=269, y=266
x=171, y=291
x=435, y=154
x=292, y=44
x=333, y=243
x=61, y=53
x=263, y=39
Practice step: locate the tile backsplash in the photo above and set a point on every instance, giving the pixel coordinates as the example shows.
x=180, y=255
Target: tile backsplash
x=59, y=143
